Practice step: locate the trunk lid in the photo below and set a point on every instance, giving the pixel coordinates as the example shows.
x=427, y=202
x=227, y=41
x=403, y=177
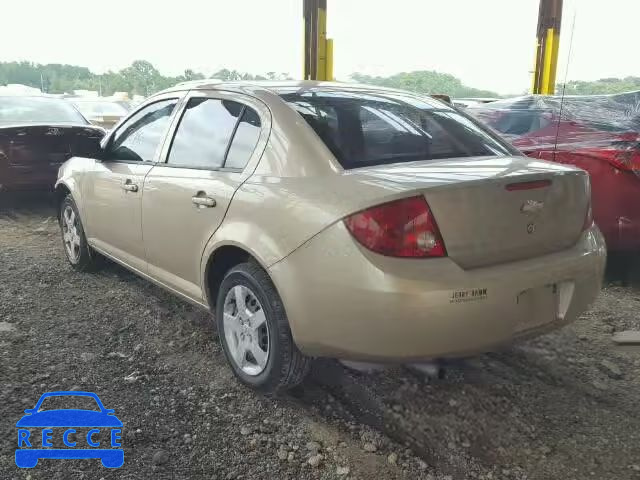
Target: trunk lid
x=30, y=155
x=495, y=210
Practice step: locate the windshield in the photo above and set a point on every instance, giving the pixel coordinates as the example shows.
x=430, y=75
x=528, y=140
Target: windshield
x=38, y=110
x=99, y=109
x=376, y=127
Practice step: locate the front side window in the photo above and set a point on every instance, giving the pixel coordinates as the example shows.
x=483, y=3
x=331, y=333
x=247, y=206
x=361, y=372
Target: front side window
x=372, y=128
x=140, y=136
x=203, y=135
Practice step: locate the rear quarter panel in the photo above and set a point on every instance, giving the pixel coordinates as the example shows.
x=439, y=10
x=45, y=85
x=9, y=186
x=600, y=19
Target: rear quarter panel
x=272, y=216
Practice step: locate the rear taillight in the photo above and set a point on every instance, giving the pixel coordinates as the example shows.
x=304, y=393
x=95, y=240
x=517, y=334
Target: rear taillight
x=628, y=155
x=403, y=228
x=623, y=154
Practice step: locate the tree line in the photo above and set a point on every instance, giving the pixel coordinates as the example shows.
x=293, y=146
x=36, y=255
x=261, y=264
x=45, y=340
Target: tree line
x=142, y=78
x=602, y=86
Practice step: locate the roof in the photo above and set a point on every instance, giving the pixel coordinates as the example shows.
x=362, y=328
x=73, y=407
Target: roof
x=270, y=85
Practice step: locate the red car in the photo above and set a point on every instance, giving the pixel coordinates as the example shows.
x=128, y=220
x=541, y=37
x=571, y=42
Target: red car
x=598, y=133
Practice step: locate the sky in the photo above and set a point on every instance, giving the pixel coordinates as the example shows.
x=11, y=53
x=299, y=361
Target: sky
x=488, y=44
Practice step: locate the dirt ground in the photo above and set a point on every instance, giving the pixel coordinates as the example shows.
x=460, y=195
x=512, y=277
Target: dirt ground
x=563, y=406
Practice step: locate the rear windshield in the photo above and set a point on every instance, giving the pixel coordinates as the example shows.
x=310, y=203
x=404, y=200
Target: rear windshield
x=371, y=128
x=38, y=110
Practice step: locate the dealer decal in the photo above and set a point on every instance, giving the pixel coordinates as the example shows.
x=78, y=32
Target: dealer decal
x=469, y=295
x=69, y=433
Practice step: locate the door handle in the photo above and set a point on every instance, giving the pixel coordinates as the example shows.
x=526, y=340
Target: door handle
x=201, y=200
x=129, y=186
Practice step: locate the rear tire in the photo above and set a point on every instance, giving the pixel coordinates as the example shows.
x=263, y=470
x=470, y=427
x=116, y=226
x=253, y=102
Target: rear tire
x=285, y=366
x=79, y=254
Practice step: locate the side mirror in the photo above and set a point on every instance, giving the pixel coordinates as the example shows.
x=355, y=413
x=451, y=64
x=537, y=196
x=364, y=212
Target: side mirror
x=101, y=152
x=109, y=411
x=30, y=410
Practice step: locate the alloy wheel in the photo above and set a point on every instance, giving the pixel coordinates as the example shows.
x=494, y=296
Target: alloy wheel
x=246, y=330
x=70, y=234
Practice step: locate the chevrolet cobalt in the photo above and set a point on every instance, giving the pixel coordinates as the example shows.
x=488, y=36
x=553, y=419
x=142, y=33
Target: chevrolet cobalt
x=337, y=220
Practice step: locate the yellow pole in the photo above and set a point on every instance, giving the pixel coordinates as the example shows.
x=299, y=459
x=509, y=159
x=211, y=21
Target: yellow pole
x=550, y=62
x=321, y=67
x=534, y=78
x=547, y=47
x=318, y=49
x=329, y=68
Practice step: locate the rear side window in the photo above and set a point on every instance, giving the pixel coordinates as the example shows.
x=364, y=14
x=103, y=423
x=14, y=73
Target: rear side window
x=215, y=133
x=371, y=128
x=245, y=139
x=204, y=133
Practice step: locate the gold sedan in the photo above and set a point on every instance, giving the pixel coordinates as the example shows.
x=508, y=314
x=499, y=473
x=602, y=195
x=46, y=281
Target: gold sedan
x=340, y=220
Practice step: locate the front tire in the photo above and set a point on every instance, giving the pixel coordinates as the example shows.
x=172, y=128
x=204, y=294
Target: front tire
x=76, y=248
x=254, y=331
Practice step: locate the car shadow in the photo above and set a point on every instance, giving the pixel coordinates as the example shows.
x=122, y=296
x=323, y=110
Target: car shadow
x=623, y=269
x=14, y=204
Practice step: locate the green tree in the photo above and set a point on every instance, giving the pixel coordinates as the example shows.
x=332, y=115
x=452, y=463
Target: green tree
x=425, y=81
x=143, y=77
x=190, y=75
x=602, y=86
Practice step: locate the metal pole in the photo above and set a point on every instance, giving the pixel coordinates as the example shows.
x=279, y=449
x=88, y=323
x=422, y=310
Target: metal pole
x=547, y=46
x=318, y=52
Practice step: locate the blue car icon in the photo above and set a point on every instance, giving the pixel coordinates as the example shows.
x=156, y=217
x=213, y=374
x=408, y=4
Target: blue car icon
x=29, y=440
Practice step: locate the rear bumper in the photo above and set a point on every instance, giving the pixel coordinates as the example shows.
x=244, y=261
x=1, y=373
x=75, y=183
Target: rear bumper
x=12, y=181
x=345, y=302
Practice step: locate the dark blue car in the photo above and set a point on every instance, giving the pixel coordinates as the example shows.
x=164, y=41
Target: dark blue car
x=34, y=444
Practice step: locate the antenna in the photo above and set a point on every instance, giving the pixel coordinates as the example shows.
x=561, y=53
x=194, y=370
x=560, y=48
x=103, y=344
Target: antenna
x=564, y=84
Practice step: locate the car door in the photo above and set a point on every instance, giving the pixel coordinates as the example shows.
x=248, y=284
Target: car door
x=185, y=198
x=113, y=188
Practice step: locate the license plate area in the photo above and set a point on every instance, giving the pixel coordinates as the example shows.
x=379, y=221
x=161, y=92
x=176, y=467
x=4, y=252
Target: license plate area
x=548, y=303
x=538, y=305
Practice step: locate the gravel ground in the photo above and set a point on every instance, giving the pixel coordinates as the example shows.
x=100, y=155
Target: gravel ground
x=560, y=407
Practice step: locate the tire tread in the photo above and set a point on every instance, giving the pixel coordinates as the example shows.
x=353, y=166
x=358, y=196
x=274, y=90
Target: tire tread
x=294, y=364
x=89, y=260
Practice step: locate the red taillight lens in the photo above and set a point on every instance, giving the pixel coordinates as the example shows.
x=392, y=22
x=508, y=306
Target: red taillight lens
x=623, y=154
x=404, y=228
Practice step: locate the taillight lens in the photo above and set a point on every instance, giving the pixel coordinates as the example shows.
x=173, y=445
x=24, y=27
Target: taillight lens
x=628, y=155
x=623, y=154
x=403, y=228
